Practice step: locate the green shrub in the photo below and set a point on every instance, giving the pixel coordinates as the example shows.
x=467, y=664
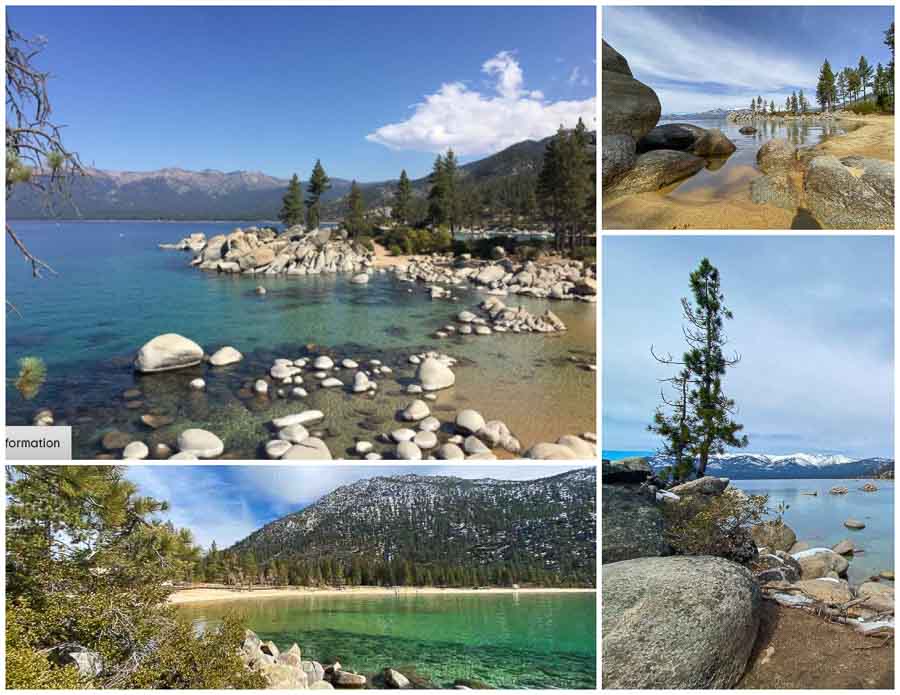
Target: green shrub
x=366, y=242
x=864, y=108
x=395, y=250
x=716, y=525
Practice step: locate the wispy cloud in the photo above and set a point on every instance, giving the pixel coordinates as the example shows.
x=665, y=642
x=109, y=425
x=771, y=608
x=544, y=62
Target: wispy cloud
x=694, y=66
x=472, y=122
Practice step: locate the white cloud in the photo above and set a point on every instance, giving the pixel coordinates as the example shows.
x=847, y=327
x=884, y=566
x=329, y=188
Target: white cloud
x=474, y=123
x=574, y=75
x=659, y=50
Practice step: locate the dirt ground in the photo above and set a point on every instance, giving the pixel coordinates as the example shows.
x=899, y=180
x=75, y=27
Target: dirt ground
x=796, y=649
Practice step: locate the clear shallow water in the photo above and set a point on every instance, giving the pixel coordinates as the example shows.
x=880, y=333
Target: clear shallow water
x=725, y=176
x=115, y=290
x=819, y=520
x=505, y=640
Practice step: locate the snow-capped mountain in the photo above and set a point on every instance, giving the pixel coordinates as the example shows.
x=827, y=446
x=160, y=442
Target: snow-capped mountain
x=548, y=523
x=800, y=465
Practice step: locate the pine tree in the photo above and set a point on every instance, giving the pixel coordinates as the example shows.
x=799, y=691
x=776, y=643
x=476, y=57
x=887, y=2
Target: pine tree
x=318, y=184
x=400, y=210
x=292, y=204
x=772, y=107
x=701, y=422
x=707, y=364
x=355, y=221
x=803, y=103
x=752, y=106
x=825, y=89
x=794, y=103
x=787, y=105
x=841, y=87
x=436, y=198
x=864, y=70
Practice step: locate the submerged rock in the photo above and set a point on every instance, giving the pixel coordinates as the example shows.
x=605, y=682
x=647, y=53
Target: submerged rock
x=677, y=623
x=671, y=136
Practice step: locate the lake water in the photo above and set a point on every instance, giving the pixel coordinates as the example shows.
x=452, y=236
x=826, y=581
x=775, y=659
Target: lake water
x=725, y=176
x=819, y=520
x=115, y=290
x=528, y=640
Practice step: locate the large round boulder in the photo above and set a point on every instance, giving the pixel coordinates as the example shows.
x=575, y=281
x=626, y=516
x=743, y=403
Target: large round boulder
x=776, y=156
x=840, y=196
x=713, y=143
x=818, y=562
x=618, y=157
x=629, y=107
x=200, y=443
x=168, y=351
x=653, y=170
x=434, y=375
x=633, y=525
x=224, y=356
x=773, y=535
x=671, y=136
x=677, y=622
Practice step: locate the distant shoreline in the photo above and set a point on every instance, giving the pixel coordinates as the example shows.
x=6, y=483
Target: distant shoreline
x=192, y=596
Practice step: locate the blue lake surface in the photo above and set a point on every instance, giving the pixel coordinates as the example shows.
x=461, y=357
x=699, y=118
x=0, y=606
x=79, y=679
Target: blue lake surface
x=819, y=520
x=115, y=290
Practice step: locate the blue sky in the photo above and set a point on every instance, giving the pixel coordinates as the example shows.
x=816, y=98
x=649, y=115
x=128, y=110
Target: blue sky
x=274, y=88
x=698, y=58
x=813, y=323
x=227, y=503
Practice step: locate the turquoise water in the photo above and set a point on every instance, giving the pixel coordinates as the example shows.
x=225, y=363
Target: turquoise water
x=819, y=520
x=115, y=290
x=505, y=640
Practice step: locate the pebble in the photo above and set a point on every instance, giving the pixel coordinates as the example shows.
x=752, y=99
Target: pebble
x=404, y=434
x=363, y=447
x=408, y=451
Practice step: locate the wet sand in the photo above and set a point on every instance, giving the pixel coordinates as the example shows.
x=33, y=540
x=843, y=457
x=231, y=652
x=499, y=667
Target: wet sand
x=705, y=208
x=204, y=595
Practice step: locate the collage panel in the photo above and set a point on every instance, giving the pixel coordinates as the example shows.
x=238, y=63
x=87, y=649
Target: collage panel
x=301, y=576
x=748, y=467
x=748, y=117
x=392, y=282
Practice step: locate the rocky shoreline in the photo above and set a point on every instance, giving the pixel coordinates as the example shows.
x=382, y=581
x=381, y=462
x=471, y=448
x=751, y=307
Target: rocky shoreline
x=850, y=192
x=693, y=620
x=288, y=670
x=298, y=432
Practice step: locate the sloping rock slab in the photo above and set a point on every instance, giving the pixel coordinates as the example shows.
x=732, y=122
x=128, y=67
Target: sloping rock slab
x=653, y=170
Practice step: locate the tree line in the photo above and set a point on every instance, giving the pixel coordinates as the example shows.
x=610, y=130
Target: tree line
x=855, y=83
x=842, y=88
x=244, y=568
x=561, y=196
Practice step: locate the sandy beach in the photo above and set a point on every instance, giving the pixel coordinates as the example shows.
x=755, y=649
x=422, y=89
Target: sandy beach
x=204, y=595
x=698, y=210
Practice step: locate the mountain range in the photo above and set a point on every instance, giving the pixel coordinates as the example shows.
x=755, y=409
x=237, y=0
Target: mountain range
x=180, y=194
x=741, y=466
x=549, y=523
x=697, y=115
